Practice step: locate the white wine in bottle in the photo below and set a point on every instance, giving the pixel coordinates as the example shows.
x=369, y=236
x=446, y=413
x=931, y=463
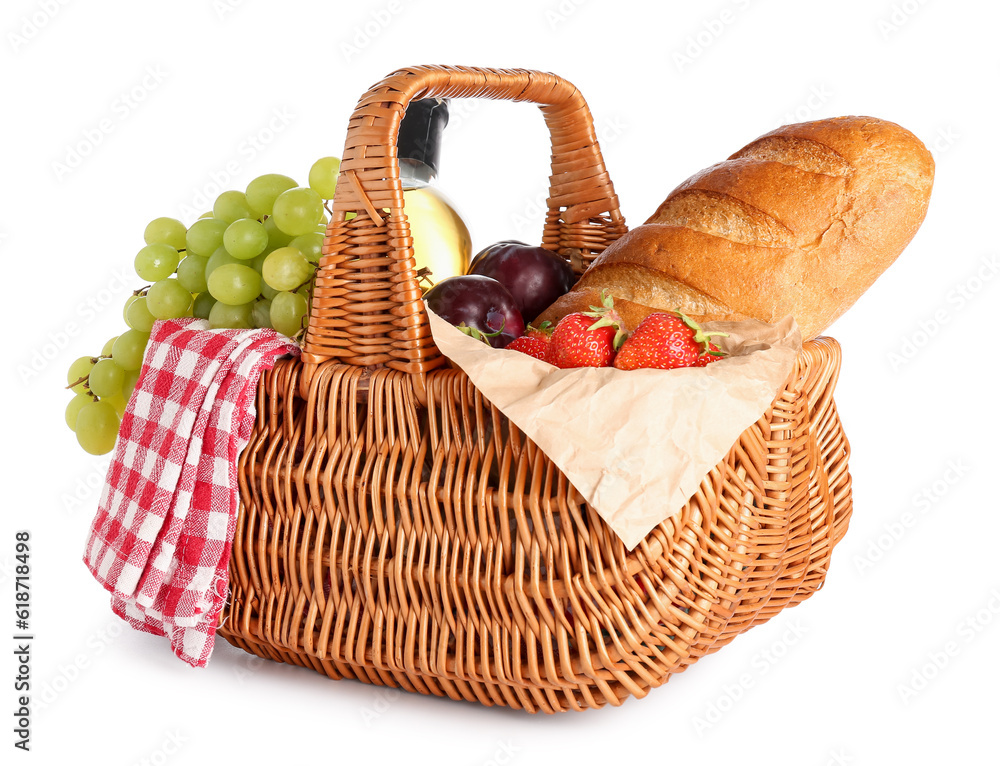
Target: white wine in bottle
x=441, y=241
x=442, y=245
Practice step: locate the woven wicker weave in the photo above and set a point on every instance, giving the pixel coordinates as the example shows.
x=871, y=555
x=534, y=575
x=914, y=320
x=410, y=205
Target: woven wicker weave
x=397, y=529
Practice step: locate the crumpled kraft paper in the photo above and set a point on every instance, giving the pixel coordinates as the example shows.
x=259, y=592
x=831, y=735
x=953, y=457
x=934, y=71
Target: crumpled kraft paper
x=637, y=443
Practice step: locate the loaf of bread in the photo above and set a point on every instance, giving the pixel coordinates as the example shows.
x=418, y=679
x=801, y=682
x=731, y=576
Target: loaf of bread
x=801, y=221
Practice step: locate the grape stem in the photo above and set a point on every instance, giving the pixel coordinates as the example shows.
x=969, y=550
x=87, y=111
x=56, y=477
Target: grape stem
x=424, y=274
x=86, y=378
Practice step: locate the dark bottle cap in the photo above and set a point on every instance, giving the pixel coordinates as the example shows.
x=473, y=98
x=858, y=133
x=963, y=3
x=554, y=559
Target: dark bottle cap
x=420, y=131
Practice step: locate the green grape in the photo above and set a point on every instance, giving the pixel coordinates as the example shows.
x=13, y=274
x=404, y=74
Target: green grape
x=74, y=407
x=97, y=427
x=287, y=312
x=275, y=237
x=137, y=316
x=235, y=317
x=203, y=304
x=310, y=245
x=323, y=176
x=117, y=401
x=167, y=299
x=264, y=190
x=79, y=369
x=234, y=284
x=128, y=302
x=191, y=274
x=106, y=351
x=232, y=206
x=245, y=239
x=129, y=379
x=261, y=315
x=257, y=264
x=165, y=231
x=205, y=236
x=156, y=262
x=106, y=378
x=298, y=210
x=286, y=269
x=129, y=348
x=219, y=258
x=267, y=291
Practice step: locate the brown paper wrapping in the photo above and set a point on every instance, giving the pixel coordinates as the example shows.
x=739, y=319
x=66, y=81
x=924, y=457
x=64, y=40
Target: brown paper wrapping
x=636, y=444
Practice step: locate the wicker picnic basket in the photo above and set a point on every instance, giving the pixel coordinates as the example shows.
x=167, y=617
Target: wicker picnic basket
x=395, y=528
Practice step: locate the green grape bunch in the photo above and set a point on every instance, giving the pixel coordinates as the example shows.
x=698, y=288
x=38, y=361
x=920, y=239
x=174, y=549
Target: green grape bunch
x=250, y=262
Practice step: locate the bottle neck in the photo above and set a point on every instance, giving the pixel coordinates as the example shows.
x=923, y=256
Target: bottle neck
x=418, y=143
x=414, y=173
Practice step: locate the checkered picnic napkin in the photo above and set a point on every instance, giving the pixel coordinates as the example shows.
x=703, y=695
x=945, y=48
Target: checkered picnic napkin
x=161, y=538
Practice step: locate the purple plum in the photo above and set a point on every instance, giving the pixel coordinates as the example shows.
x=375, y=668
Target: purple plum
x=533, y=275
x=479, y=303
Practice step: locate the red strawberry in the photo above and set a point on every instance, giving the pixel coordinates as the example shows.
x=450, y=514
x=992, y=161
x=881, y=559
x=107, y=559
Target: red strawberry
x=534, y=342
x=664, y=341
x=531, y=346
x=535, y=347
x=714, y=354
x=586, y=338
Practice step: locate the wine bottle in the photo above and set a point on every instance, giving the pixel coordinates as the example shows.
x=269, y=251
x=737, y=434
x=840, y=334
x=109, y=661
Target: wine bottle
x=442, y=244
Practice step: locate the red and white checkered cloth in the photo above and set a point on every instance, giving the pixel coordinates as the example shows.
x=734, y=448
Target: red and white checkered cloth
x=161, y=538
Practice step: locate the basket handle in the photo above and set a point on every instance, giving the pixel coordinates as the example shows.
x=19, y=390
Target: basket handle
x=367, y=306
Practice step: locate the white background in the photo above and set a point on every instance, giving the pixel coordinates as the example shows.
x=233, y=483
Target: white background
x=175, y=93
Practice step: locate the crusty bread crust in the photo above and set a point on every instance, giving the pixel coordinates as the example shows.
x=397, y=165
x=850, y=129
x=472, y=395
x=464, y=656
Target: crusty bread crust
x=801, y=221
